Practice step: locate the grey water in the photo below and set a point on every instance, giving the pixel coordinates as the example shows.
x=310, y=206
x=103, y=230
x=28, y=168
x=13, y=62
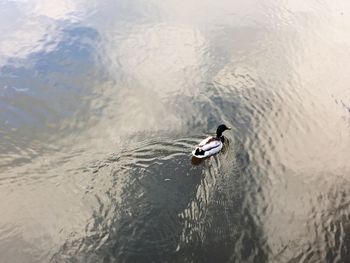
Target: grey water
x=102, y=102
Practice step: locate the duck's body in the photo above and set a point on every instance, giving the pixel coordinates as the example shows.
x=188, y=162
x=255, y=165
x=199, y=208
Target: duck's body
x=211, y=145
x=208, y=147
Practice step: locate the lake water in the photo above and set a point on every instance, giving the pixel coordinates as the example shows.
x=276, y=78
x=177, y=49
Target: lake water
x=102, y=102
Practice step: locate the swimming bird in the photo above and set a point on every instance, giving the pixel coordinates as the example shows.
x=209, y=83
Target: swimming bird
x=212, y=144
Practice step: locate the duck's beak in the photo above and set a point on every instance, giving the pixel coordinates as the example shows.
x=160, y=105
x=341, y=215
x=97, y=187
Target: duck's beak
x=229, y=128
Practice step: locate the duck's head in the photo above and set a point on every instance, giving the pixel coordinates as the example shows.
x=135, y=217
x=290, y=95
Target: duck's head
x=221, y=128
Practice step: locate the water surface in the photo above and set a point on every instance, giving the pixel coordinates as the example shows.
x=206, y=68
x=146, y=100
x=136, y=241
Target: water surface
x=101, y=104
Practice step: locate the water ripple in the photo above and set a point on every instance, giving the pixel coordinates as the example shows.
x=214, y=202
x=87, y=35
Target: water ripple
x=102, y=103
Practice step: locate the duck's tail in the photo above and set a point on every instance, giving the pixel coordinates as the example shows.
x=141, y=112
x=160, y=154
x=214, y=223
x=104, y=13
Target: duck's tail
x=199, y=152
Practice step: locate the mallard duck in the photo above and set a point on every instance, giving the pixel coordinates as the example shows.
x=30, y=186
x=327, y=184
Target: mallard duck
x=212, y=144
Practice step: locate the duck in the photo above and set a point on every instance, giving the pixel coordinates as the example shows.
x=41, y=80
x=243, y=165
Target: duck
x=212, y=144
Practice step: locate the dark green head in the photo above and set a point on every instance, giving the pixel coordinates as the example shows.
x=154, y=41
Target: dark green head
x=221, y=128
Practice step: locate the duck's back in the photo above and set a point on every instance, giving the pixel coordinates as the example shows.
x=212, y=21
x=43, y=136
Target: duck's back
x=206, y=140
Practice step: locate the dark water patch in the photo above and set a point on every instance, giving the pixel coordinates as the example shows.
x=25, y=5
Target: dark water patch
x=165, y=206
